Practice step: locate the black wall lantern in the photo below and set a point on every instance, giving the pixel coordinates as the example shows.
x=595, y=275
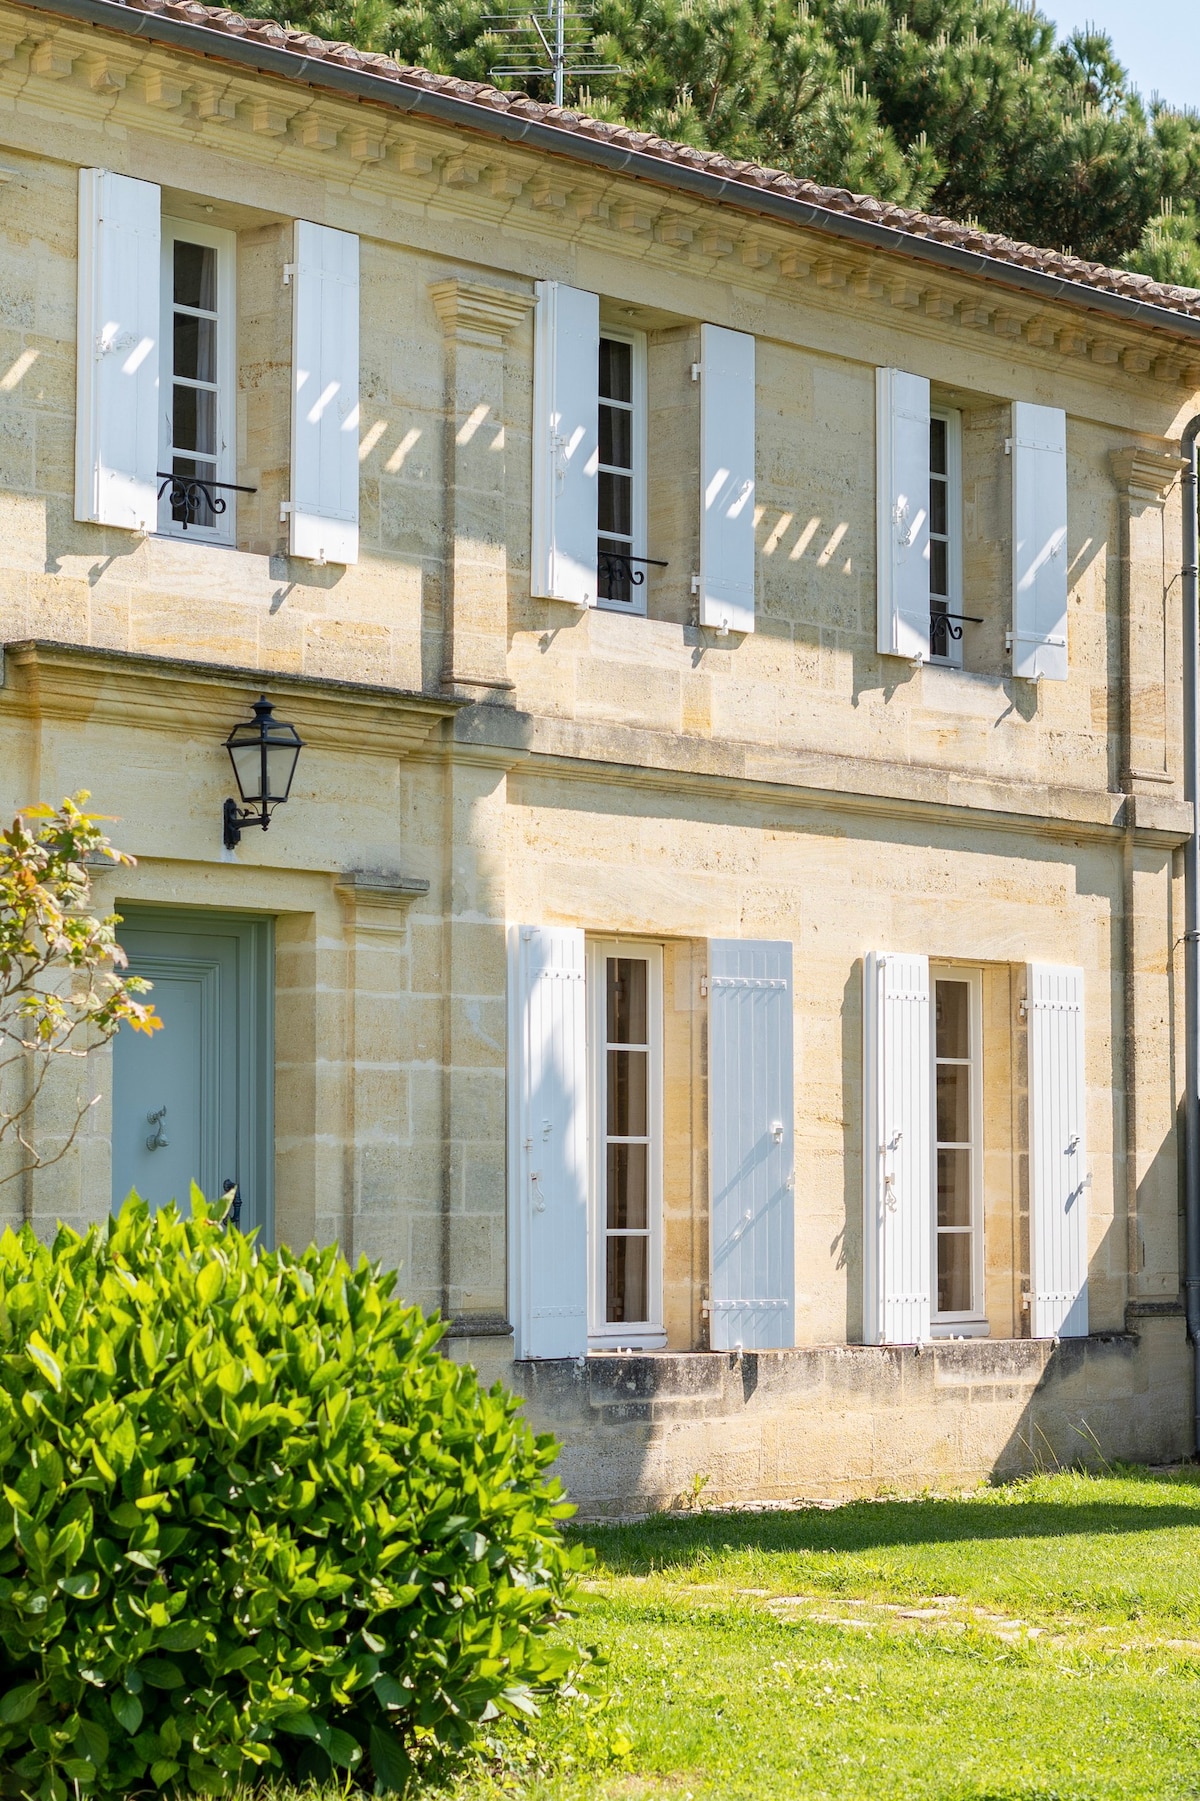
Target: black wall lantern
x=263, y=753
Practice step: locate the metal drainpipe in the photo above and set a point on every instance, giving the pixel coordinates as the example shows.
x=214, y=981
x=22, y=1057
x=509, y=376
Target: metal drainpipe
x=1191, y=947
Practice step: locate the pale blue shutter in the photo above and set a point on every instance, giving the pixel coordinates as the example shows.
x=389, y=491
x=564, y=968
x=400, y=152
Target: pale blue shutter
x=116, y=424
x=727, y=412
x=898, y=1222
x=549, y=1169
x=323, y=511
x=1058, y=1174
x=902, y=513
x=566, y=443
x=751, y=1144
x=1039, y=475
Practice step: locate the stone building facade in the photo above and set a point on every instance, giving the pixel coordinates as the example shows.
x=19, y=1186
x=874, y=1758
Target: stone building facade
x=722, y=940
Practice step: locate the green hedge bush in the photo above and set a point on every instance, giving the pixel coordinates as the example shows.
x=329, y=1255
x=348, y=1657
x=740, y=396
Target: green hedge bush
x=254, y=1525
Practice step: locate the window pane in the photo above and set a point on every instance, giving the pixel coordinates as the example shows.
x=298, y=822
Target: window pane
x=616, y=370
x=616, y=504
x=953, y=1103
x=616, y=437
x=612, y=571
x=627, y=1093
x=937, y=446
x=939, y=569
x=954, y=1272
x=953, y=1015
x=628, y=991
x=196, y=276
x=954, y=1188
x=195, y=347
x=628, y=1266
x=937, y=507
x=194, y=421
x=626, y=1190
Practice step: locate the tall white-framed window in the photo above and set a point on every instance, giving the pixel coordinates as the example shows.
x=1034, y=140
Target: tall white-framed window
x=945, y=537
x=957, y=1126
x=198, y=382
x=625, y=1058
x=622, y=470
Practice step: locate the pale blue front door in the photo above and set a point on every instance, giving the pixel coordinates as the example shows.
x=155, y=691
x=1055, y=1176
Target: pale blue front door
x=193, y=1102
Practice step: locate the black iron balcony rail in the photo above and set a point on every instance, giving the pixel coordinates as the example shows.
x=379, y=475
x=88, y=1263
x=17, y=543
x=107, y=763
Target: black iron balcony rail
x=946, y=626
x=615, y=566
x=189, y=491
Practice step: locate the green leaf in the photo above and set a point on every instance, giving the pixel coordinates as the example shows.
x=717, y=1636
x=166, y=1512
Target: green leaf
x=92, y=1741
x=162, y=1770
x=159, y=1673
x=342, y=1749
x=37, y=1348
x=82, y=1587
x=209, y=1283
x=390, y=1761
x=127, y=1711
x=389, y=1693
x=18, y=1703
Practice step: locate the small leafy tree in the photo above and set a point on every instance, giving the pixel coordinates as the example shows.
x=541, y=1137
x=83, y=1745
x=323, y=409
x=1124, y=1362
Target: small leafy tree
x=256, y=1526
x=62, y=992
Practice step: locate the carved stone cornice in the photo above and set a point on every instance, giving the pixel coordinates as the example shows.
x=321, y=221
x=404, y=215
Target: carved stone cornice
x=1145, y=476
x=476, y=313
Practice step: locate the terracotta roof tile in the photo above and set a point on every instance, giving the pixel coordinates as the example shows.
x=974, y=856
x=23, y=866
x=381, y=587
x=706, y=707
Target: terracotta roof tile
x=837, y=200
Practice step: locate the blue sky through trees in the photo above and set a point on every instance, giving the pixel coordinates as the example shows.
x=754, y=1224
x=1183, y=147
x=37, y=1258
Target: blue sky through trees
x=1157, y=40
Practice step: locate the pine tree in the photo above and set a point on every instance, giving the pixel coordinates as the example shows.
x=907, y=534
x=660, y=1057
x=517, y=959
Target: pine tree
x=965, y=107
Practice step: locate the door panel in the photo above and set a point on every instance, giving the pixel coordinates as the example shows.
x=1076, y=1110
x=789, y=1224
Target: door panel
x=193, y=1103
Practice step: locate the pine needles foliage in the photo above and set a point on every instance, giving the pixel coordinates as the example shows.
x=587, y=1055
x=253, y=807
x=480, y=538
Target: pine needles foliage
x=971, y=108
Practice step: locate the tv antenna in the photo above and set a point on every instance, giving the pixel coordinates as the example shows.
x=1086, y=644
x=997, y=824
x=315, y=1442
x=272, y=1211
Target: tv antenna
x=556, y=34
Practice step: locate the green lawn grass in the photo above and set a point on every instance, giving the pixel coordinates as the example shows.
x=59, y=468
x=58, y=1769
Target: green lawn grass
x=1039, y=1641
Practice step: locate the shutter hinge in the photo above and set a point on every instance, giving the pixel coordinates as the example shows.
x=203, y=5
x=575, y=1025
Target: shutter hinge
x=285, y=507
x=703, y=987
x=1008, y=443
x=695, y=583
x=697, y=370
x=289, y=269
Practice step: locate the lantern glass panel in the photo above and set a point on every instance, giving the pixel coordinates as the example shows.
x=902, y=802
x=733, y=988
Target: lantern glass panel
x=247, y=767
x=281, y=766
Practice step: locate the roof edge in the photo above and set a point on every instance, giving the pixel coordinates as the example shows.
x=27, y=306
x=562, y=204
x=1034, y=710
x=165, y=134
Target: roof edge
x=399, y=96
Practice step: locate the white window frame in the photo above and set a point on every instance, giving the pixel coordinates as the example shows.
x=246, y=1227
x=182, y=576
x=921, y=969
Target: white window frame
x=971, y=1322
x=638, y=1335
x=224, y=529
x=952, y=419
x=639, y=437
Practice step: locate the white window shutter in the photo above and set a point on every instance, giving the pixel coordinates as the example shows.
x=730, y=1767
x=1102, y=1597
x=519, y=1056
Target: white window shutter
x=751, y=1109
x=548, y=1140
x=902, y=513
x=566, y=443
x=323, y=511
x=1039, y=478
x=116, y=423
x=898, y=1222
x=1058, y=1173
x=727, y=407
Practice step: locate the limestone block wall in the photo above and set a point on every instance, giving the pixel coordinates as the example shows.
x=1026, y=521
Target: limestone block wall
x=839, y=1421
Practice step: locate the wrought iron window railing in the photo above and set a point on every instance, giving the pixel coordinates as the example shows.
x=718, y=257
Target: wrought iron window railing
x=944, y=627
x=615, y=569
x=192, y=497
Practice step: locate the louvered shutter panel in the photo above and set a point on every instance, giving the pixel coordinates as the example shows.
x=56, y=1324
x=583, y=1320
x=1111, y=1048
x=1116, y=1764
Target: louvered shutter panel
x=550, y=1180
x=1058, y=1175
x=727, y=405
x=897, y=1149
x=323, y=516
x=566, y=443
x=116, y=423
x=751, y=1144
x=1039, y=475
x=902, y=512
